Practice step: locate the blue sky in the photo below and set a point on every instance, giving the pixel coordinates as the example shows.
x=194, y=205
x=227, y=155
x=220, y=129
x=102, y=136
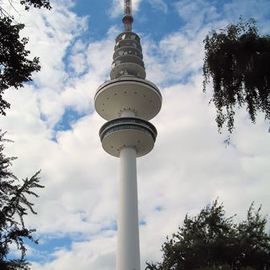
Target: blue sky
x=55, y=128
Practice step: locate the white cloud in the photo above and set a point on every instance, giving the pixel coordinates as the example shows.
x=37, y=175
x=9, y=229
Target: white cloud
x=249, y=9
x=189, y=167
x=176, y=57
x=201, y=12
x=95, y=254
x=160, y=5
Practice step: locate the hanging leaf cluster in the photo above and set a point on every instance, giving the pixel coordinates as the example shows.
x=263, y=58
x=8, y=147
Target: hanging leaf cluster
x=237, y=59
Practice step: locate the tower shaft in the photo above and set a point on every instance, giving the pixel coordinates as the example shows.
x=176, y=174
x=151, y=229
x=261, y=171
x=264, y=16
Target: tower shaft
x=128, y=251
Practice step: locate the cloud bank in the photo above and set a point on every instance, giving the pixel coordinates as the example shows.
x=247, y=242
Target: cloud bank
x=55, y=128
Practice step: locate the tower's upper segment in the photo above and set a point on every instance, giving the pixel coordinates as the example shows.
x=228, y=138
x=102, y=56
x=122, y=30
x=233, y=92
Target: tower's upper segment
x=128, y=92
x=127, y=57
x=128, y=19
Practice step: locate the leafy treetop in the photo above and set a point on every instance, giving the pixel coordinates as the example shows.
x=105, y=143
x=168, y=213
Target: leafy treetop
x=210, y=240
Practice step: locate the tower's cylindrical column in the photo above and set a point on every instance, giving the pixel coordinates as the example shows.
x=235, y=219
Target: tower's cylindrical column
x=128, y=250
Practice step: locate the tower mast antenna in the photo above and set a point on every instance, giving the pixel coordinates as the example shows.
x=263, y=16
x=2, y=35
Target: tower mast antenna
x=128, y=19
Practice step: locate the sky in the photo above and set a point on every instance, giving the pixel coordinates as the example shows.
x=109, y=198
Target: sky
x=54, y=127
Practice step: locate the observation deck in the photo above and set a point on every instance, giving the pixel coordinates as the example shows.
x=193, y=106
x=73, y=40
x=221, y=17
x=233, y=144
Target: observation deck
x=128, y=132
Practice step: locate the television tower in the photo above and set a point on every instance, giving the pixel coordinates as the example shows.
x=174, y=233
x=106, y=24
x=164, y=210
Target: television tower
x=127, y=101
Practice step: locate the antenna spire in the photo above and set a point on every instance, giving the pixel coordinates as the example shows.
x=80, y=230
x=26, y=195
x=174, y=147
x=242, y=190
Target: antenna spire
x=128, y=19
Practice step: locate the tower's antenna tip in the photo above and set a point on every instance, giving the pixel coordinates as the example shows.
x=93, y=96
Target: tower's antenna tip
x=128, y=19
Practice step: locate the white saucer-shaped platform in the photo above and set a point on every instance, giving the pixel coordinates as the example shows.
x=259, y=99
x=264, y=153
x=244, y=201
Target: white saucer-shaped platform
x=128, y=132
x=128, y=94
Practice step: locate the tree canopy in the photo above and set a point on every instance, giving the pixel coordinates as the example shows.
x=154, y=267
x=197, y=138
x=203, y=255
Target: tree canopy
x=211, y=240
x=237, y=59
x=15, y=67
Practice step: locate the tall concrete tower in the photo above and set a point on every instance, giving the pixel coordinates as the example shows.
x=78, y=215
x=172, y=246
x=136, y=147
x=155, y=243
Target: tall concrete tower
x=127, y=102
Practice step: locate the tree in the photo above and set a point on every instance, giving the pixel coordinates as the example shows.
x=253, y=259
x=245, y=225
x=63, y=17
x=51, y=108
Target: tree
x=15, y=67
x=210, y=240
x=237, y=59
x=14, y=205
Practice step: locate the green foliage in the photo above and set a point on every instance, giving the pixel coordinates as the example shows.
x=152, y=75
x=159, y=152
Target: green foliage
x=237, y=59
x=212, y=241
x=15, y=67
x=14, y=205
x=36, y=4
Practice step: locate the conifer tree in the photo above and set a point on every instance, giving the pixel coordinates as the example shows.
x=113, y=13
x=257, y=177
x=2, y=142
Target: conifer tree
x=14, y=206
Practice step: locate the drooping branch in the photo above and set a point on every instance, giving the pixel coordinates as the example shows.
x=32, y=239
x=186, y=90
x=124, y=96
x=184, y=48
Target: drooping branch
x=237, y=59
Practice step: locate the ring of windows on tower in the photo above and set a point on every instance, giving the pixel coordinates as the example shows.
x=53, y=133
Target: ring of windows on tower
x=127, y=51
x=127, y=35
x=127, y=57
